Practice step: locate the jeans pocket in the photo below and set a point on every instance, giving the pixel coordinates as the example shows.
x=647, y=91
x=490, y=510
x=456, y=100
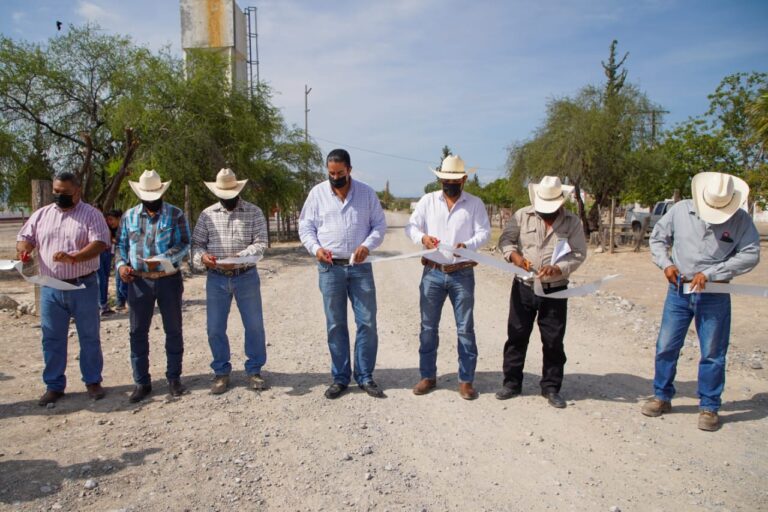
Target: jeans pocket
x=323, y=267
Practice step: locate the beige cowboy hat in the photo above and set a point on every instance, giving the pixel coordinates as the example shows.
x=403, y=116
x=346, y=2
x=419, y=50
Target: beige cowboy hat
x=226, y=185
x=452, y=168
x=717, y=196
x=149, y=187
x=549, y=194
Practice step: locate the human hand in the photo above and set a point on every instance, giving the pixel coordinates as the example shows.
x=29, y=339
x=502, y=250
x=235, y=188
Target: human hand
x=698, y=282
x=324, y=256
x=63, y=257
x=126, y=273
x=672, y=274
x=360, y=254
x=517, y=259
x=208, y=260
x=430, y=242
x=549, y=271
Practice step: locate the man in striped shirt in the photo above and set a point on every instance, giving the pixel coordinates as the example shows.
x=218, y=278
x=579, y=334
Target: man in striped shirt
x=232, y=227
x=69, y=235
x=152, y=231
x=340, y=223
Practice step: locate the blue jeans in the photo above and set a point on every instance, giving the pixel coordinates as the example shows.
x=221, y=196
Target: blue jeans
x=246, y=289
x=338, y=282
x=459, y=286
x=105, y=266
x=56, y=308
x=712, y=314
x=142, y=295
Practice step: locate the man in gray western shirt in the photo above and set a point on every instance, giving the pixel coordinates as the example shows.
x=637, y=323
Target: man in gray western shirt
x=709, y=238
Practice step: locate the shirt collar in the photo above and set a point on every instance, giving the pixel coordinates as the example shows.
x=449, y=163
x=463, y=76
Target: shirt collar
x=69, y=211
x=349, y=192
x=220, y=207
x=461, y=199
x=160, y=213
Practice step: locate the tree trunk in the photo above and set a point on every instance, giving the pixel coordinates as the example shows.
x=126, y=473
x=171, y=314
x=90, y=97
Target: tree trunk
x=86, y=170
x=612, y=224
x=581, y=209
x=109, y=195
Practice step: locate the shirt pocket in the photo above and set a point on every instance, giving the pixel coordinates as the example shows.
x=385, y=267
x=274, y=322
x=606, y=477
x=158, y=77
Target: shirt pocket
x=164, y=237
x=240, y=232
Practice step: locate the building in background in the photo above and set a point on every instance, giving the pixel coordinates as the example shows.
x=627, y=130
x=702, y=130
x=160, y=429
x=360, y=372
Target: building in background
x=219, y=26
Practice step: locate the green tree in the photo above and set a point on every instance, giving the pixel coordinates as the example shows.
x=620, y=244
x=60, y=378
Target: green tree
x=434, y=186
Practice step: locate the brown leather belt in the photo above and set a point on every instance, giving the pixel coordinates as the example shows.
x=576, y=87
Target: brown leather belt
x=78, y=280
x=152, y=275
x=453, y=267
x=232, y=272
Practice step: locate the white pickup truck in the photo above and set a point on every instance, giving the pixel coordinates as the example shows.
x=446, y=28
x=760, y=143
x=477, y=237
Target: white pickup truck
x=646, y=220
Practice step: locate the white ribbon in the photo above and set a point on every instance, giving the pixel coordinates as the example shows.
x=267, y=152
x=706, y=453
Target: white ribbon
x=379, y=259
x=39, y=280
x=165, y=263
x=576, y=291
x=488, y=260
x=240, y=260
x=741, y=289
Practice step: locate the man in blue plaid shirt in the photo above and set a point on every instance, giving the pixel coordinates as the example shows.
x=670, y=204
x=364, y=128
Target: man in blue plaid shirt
x=150, y=233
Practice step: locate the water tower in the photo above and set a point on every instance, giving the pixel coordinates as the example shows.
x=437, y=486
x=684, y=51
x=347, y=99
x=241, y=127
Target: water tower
x=219, y=26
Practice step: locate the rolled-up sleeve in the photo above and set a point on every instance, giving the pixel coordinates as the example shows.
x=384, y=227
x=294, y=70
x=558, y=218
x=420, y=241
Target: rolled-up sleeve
x=200, y=240
x=259, y=236
x=28, y=232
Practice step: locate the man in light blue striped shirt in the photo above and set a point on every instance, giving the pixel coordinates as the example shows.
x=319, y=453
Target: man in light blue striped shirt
x=340, y=223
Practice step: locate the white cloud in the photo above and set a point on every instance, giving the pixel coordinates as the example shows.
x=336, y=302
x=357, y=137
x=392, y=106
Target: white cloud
x=93, y=12
x=17, y=16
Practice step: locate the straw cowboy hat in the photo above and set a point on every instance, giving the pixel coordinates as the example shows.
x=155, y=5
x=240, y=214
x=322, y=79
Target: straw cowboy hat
x=149, y=187
x=452, y=168
x=226, y=185
x=717, y=196
x=549, y=194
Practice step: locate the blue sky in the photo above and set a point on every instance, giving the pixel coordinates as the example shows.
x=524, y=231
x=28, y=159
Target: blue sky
x=406, y=77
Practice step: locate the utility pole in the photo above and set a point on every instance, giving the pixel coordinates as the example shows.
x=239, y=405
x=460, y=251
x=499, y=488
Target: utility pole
x=307, y=90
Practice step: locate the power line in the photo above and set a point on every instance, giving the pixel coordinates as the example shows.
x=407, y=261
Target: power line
x=394, y=156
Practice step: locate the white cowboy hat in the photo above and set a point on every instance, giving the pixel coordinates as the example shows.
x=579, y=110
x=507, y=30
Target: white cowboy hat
x=549, y=194
x=149, y=187
x=226, y=185
x=452, y=168
x=717, y=196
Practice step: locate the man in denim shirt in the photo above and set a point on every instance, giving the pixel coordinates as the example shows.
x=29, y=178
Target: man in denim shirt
x=340, y=223
x=152, y=231
x=709, y=238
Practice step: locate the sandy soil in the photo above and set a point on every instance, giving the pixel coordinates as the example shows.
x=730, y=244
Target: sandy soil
x=289, y=448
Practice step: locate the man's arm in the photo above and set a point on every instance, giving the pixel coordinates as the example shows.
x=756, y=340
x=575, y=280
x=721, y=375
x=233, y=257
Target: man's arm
x=26, y=240
x=258, y=237
x=308, y=225
x=417, y=222
x=746, y=257
x=182, y=236
x=200, y=240
x=378, y=223
x=482, y=228
x=509, y=240
x=661, y=240
x=578, y=243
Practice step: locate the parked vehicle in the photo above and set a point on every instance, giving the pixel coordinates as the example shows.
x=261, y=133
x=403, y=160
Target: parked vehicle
x=644, y=221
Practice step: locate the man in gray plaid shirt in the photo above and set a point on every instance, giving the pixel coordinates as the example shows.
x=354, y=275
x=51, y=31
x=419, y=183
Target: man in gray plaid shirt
x=232, y=229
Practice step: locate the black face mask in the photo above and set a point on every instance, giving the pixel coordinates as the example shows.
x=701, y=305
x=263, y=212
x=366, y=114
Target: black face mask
x=338, y=182
x=153, y=206
x=452, y=189
x=229, y=204
x=64, y=200
x=548, y=217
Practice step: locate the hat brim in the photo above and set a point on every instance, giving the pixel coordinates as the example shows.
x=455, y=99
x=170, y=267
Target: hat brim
x=548, y=205
x=149, y=195
x=452, y=175
x=226, y=193
x=713, y=215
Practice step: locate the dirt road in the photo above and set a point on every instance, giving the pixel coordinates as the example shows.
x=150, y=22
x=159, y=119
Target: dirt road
x=291, y=449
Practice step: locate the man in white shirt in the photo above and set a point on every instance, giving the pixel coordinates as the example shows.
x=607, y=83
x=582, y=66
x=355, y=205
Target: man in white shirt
x=458, y=219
